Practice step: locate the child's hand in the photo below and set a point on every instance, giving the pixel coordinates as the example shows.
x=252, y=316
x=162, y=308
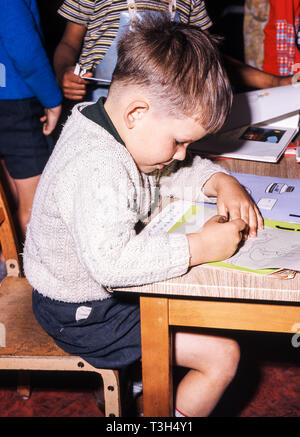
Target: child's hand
x=74, y=86
x=50, y=119
x=218, y=239
x=234, y=202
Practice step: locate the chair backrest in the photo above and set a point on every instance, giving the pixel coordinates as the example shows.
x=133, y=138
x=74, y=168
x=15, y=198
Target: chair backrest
x=8, y=237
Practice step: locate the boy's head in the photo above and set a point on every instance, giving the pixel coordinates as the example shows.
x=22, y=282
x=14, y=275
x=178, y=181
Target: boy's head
x=168, y=89
x=180, y=67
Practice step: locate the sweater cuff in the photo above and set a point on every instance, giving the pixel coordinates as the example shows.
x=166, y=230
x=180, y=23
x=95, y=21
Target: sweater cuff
x=179, y=254
x=203, y=197
x=51, y=100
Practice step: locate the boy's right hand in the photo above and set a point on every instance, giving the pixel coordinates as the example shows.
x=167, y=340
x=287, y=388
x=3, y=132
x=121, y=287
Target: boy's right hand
x=218, y=239
x=74, y=86
x=50, y=119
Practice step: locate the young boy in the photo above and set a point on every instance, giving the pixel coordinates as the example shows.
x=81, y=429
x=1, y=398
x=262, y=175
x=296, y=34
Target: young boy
x=30, y=104
x=168, y=90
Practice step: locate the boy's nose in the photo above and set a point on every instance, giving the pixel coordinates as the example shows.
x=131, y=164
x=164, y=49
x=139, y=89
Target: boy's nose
x=180, y=153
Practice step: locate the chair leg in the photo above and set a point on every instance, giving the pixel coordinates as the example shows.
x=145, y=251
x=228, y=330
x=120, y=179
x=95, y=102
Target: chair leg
x=2, y=335
x=111, y=388
x=23, y=387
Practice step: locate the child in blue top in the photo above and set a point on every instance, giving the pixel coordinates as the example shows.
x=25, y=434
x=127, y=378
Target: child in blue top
x=30, y=101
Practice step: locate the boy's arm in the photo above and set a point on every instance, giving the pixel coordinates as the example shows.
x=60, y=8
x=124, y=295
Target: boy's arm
x=233, y=201
x=242, y=74
x=185, y=179
x=22, y=41
x=100, y=211
x=204, y=181
x=65, y=59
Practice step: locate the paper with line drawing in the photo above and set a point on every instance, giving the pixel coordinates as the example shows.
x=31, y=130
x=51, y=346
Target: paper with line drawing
x=271, y=249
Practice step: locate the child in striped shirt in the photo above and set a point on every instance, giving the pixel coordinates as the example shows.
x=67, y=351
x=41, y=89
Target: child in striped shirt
x=93, y=29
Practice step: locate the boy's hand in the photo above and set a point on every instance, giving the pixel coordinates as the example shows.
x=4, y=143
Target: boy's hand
x=50, y=119
x=234, y=202
x=218, y=239
x=74, y=86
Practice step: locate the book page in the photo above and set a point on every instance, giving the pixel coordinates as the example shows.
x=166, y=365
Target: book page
x=272, y=248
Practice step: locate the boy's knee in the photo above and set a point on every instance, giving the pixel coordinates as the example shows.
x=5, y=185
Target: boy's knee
x=229, y=359
x=24, y=217
x=223, y=367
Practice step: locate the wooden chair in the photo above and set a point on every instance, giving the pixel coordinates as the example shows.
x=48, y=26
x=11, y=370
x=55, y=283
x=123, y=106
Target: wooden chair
x=24, y=346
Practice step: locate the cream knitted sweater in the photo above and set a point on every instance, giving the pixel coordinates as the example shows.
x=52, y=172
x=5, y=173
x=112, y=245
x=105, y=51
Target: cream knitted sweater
x=81, y=241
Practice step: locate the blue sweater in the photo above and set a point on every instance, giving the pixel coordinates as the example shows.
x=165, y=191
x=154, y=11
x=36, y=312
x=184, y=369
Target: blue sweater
x=25, y=70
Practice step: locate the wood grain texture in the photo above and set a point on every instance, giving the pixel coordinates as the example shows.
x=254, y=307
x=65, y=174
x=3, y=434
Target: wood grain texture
x=216, y=282
x=156, y=343
x=8, y=238
x=233, y=315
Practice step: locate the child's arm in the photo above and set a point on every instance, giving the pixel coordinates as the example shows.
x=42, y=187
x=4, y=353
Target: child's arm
x=65, y=58
x=220, y=236
x=185, y=179
x=23, y=45
x=100, y=205
x=197, y=179
x=233, y=201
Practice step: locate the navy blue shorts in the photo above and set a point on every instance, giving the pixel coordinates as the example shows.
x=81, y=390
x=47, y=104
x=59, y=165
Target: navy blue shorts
x=105, y=333
x=23, y=146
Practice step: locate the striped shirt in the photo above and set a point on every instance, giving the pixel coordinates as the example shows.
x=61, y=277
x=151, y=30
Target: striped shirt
x=101, y=19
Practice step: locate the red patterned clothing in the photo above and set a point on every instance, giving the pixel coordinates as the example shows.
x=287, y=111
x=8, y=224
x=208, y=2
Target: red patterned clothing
x=281, y=51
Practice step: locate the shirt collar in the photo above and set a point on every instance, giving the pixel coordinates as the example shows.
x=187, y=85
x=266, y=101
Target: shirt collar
x=97, y=113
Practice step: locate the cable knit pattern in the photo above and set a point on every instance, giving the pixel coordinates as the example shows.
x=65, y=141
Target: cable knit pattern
x=81, y=241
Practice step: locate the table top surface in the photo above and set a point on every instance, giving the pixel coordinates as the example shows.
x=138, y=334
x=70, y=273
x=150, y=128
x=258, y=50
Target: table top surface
x=216, y=282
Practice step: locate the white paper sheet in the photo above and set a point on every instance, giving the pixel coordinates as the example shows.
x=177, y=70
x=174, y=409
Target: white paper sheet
x=271, y=249
x=262, y=105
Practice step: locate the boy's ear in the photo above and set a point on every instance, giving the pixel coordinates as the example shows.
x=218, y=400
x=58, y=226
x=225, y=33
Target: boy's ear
x=135, y=112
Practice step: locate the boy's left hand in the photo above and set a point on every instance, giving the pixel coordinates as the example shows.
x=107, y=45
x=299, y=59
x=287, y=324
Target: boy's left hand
x=233, y=201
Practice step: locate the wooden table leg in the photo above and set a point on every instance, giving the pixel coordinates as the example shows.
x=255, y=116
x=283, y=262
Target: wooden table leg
x=156, y=357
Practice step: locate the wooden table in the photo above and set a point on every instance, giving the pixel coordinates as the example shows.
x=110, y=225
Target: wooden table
x=208, y=297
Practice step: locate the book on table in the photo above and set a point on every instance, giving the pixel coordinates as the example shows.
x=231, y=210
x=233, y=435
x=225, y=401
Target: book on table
x=260, y=126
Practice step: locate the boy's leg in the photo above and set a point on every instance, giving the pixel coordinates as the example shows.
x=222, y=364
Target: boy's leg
x=11, y=184
x=25, y=151
x=25, y=189
x=213, y=362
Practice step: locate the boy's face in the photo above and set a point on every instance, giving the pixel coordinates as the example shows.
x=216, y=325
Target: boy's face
x=155, y=141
